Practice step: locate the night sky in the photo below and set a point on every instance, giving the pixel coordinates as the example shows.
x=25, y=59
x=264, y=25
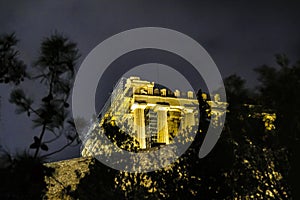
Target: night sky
x=239, y=36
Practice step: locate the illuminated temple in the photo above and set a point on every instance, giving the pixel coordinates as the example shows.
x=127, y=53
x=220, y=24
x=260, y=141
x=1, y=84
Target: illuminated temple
x=152, y=114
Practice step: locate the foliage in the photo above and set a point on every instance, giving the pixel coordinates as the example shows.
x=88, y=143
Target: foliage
x=248, y=162
x=54, y=68
x=12, y=69
x=279, y=91
x=23, y=177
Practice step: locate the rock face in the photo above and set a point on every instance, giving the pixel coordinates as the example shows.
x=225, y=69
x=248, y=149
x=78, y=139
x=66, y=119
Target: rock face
x=68, y=174
x=81, y=178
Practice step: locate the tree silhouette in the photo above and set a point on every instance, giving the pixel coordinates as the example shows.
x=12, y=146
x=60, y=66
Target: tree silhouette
x=279, y=90
x=22, y=177
x=260, y=165
x=54, y=68
x=12, y=69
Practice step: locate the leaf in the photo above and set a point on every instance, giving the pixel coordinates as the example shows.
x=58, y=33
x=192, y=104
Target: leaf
x=36, y=143
x=33, y=146
x=44, y=147
x=36, y=139
x=69, y=137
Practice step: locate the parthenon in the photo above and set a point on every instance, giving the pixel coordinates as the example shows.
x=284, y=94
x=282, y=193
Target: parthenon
x=149, y=112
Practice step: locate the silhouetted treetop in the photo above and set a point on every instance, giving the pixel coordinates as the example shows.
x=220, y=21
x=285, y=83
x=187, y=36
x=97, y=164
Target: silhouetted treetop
x=12, y=68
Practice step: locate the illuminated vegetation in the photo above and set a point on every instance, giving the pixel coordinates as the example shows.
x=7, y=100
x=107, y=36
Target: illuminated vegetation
x=250, y=166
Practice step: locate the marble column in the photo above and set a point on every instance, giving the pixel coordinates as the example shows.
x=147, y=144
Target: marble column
x=189, y=118
x=162, y=125
x=139, y=124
